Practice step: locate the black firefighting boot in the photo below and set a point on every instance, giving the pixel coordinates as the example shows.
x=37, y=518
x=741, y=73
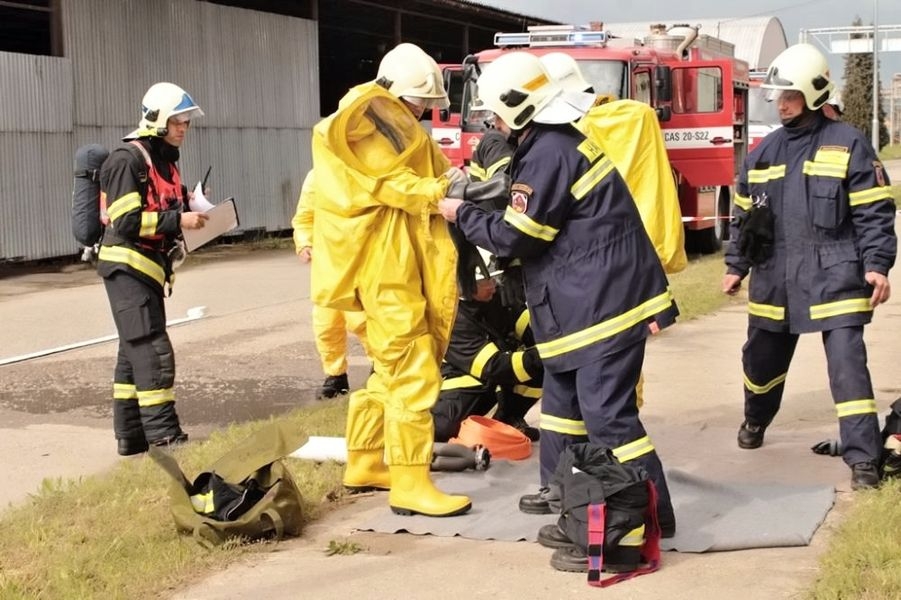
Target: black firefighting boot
x=334, y=385
x=864, y=475
x=161, y=425
x=551, y=536
x=618, y=559
x=127, y=425
x=545, y=502
x=750, y=436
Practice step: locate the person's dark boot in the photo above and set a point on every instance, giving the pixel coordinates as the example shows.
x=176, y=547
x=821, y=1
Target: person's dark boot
x=573, y=559
x=170, y=440
x=540, y=503
x=550, y=536
x=750, y=436
x=131, y=446
x=334, y=385
x=864, y=475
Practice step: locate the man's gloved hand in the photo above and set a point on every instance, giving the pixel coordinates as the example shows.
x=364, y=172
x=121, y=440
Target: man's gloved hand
x=512, y=292
x=532, y=362
x=489, y=195
x=455, y=175
x=457, y=189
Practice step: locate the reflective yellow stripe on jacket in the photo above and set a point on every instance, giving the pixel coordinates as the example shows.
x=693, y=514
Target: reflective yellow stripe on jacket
x=135, y=260
x=605, y=329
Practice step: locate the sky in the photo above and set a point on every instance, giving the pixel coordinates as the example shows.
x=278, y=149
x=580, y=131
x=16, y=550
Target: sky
x=794, y=15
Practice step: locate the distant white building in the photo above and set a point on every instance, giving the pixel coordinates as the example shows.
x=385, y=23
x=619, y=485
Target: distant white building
x=757, y=40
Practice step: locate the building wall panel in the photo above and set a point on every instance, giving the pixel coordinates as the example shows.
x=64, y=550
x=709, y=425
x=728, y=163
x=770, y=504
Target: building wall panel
x=255, y=75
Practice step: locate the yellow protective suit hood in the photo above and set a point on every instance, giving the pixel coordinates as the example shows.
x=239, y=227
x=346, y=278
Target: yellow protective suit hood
x=378, y=179
x=630, y=135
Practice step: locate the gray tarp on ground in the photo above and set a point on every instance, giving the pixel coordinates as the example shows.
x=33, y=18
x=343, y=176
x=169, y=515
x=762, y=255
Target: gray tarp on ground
x=712, y=516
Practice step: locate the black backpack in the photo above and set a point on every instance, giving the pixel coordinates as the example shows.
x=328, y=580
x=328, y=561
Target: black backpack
x=603, y=501
x=89, y=216
x=87, y=226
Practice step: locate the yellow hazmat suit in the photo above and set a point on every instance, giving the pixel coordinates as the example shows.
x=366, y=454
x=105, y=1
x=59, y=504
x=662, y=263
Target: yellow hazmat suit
x=330, y=326
x=383, y=248
x=630, y=135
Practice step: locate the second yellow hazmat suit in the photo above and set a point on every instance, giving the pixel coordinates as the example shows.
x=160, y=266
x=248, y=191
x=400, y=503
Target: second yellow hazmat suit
x=630, y=135
x=330, y=326
x=383, y=248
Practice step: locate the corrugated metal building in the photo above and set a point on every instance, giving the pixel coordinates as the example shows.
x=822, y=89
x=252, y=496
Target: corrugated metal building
x=74, y=71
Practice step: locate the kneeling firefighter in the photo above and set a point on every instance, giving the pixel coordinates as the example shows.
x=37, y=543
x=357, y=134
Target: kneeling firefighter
x=491, y=360
x=382, y=248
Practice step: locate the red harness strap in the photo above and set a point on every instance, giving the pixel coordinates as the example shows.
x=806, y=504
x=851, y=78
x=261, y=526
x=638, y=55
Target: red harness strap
x=650, y=550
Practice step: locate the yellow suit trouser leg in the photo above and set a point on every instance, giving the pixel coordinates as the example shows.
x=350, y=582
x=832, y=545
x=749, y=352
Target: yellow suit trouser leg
x=405, y=383
x=365, y=435
x=330, y=331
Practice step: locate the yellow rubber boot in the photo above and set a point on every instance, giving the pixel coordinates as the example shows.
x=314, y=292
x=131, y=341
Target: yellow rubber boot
x=412, y=492
x=366, y=471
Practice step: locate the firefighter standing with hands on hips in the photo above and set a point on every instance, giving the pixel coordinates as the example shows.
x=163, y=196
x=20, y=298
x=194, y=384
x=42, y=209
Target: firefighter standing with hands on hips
x=146, y=207
x=330, y=326
x=382, y=248
x=593, y=282
x=815, y=224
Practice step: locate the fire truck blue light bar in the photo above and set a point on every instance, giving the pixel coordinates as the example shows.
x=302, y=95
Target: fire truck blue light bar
x=551, y=38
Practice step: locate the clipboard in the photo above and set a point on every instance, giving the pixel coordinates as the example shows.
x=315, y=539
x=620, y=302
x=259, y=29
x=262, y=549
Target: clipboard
x=223, y=218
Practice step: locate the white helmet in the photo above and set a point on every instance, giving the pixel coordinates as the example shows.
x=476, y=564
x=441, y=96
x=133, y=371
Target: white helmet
x=164, y=101
x=803, y=68
x=564, y=69
x=516, y=87
x=408, y=72
x=490, y=263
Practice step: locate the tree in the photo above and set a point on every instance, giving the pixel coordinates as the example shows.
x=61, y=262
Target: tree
x=857, y=95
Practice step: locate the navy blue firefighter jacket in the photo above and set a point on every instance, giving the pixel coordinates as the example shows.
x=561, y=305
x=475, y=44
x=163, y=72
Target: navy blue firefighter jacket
x=834, y=220
x=593, y=281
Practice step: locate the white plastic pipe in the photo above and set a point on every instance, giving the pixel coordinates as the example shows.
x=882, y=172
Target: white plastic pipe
x=194, y=313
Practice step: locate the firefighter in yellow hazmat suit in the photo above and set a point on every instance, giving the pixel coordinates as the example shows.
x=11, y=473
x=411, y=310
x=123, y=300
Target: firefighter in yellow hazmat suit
x=383, y=248
x=330, y=326
x=630, y=135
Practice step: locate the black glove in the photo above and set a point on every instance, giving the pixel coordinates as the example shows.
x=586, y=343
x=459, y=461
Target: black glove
x=757, y=234
x=489, y=195
x=512, y=290
x=532, y=363
x=828, y=448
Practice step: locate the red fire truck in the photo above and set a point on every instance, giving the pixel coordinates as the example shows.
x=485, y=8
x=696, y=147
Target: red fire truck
x=697, y=87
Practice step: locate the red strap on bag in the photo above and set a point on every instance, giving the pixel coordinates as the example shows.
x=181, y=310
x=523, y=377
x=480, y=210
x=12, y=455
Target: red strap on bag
x=650, y=549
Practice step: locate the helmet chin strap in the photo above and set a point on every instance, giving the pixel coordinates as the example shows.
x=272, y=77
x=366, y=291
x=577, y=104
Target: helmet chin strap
x=514, y=136
x=802, y=120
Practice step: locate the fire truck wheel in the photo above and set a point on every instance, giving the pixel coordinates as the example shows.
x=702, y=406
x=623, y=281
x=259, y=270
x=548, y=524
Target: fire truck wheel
x=704, y=241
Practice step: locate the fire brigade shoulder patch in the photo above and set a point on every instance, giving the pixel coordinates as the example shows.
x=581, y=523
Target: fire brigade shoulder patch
x=519, y=197
x=879, y=171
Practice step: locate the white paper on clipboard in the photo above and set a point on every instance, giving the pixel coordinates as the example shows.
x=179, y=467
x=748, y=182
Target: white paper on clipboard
x=223, y=217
